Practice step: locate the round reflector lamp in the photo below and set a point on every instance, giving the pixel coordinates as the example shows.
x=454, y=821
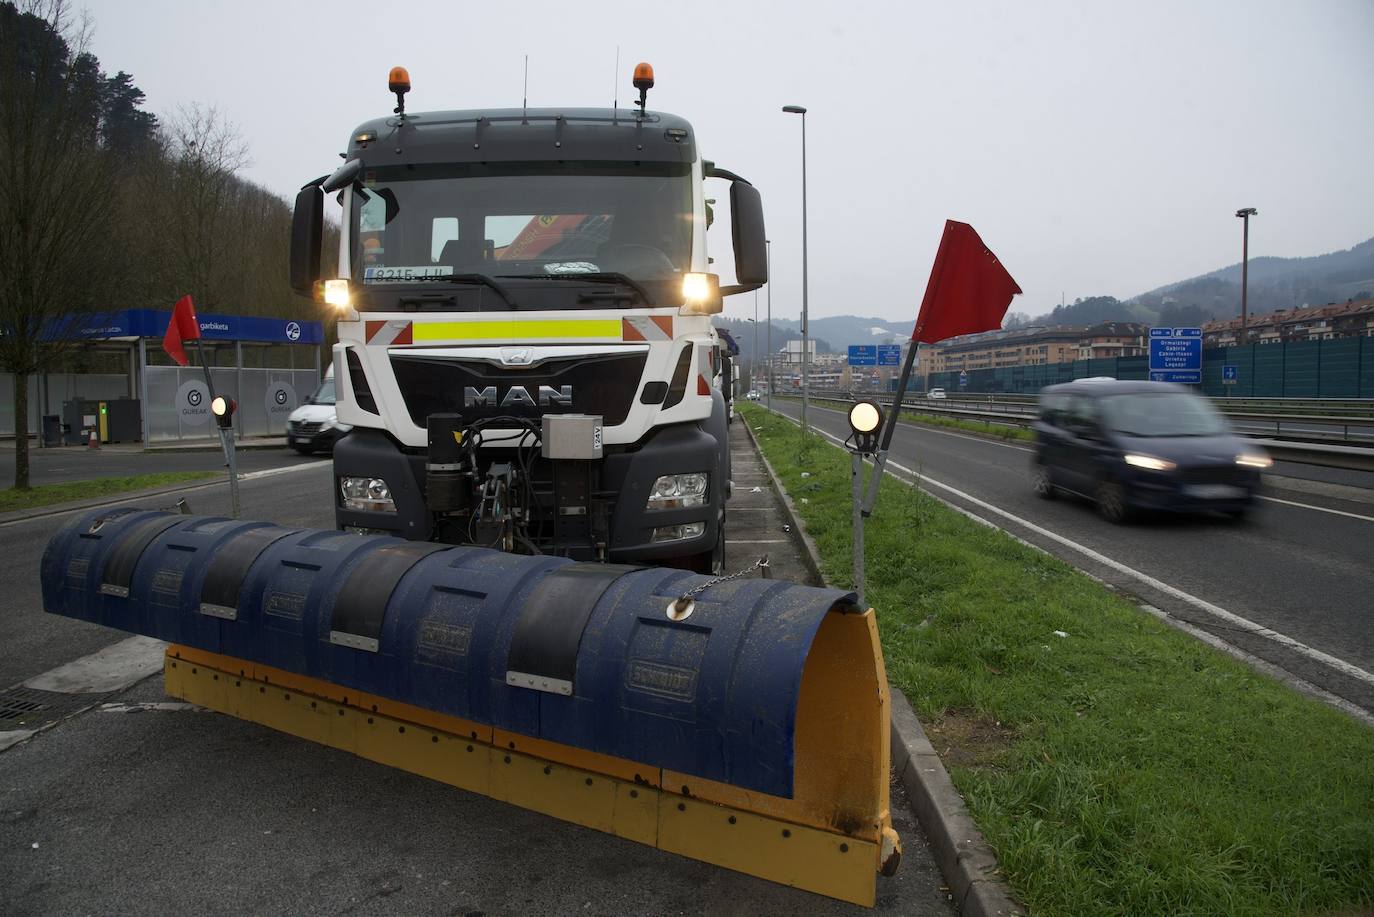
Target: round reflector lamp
x=865, y=417
x=866, y=420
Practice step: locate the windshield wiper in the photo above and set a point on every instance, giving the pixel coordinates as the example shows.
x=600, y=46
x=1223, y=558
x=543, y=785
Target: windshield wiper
x=480, y=279
x=594, y=277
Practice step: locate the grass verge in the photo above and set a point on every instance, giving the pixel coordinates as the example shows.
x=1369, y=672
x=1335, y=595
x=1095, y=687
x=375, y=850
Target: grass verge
x=69, y=491
x=996, y=431
x=1116, y=765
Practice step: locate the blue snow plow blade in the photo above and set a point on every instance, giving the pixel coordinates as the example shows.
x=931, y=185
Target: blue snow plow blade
x=595, y=656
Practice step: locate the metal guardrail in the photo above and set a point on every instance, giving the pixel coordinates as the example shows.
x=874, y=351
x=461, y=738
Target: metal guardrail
x=998, y=409
x=1309, y=449
x=1325, y=407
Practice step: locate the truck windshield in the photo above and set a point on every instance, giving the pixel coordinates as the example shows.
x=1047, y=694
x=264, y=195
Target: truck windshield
x=420, y=224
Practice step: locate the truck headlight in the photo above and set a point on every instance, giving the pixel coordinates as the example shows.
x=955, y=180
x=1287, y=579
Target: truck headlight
x=336, y=293
x=1149, y=462
x=1254, y=460
x=677, y=491
x=366, y=494
x=677, y=532
x=701, y=294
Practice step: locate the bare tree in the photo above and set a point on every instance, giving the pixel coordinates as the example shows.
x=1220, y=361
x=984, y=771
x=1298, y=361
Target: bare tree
x=55, y=205
x=205, y=152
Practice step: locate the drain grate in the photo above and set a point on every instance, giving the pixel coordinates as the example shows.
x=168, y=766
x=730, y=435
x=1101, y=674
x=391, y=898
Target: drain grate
x=30, y=708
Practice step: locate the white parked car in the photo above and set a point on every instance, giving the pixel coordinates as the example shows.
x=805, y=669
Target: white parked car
x=314, y=426
x=936, y=393
x=752, y=396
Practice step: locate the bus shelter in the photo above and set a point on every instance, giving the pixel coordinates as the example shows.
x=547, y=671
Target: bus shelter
x=268, y=365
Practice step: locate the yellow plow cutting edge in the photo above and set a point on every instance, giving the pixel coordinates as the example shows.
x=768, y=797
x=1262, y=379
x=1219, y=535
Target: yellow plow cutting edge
x=832, y=838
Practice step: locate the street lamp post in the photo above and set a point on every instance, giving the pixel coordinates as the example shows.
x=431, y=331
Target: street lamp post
x=1245, y=214
x=806, y=348
x=768, y=247
x=754, y=354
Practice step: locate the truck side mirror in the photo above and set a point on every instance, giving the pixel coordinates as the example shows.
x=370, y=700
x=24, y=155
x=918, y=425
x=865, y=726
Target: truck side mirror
x=307, y=232
x=746, y=226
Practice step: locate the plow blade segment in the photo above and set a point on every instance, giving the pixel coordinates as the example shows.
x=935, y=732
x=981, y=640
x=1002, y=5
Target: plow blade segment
x=748, y=729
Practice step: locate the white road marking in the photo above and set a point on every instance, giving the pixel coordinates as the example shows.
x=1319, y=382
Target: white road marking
x=993, y=442
x=1259, y=630
x=153, y=707
x=1320, y=509
x=111, y=669
x=730, y=541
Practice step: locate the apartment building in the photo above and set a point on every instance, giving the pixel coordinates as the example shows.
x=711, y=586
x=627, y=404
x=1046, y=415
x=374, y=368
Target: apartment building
x=1319, y=323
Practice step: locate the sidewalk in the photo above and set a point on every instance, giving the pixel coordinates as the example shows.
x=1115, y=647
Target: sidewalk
x=754, y=521
x=193, y=445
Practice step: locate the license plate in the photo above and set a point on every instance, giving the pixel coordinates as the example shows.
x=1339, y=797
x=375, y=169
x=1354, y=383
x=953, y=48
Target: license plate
x=1215, y=491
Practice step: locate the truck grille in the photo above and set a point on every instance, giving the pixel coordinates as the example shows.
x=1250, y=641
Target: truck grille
x=604, y=384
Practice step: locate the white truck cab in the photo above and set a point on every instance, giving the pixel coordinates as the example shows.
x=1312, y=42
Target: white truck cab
x=526, y=357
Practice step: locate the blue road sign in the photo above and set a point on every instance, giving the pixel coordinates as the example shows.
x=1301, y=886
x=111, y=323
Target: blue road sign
x=889, y=354
x=1176, y=355
x=863, y=355
x=1230, y=375
x=963, y=378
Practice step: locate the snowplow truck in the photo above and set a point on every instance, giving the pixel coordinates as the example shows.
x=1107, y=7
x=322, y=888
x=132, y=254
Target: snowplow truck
x=525, y=354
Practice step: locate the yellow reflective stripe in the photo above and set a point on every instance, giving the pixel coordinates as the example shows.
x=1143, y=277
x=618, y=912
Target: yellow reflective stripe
x=517, y=330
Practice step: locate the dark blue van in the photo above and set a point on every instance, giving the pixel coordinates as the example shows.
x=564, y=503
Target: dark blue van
x=1142, y=445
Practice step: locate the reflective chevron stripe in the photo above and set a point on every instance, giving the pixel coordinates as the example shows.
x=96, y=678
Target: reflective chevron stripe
x=382, y=333
x=647, y=328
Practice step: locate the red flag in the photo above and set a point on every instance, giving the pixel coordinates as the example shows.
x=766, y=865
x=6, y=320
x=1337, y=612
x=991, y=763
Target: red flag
x=184, y=326
x=969, y=290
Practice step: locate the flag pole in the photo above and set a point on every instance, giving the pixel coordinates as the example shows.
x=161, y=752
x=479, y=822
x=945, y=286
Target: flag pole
x=880, y=461
x=226, y=435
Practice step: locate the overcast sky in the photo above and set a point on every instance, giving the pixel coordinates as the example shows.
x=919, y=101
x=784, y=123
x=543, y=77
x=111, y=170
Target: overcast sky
x=1097, y=147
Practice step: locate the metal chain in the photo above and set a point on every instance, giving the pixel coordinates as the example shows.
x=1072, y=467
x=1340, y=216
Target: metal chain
x=760, y=564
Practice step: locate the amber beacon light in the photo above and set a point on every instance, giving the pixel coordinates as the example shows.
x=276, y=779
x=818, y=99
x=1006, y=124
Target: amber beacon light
x=643, y=81
x=398, y=81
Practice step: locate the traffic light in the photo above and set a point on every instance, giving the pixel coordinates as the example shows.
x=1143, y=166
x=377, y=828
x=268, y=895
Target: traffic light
x=223, y=409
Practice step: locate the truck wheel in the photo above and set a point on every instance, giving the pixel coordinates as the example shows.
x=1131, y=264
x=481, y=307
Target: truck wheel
x=712, y=562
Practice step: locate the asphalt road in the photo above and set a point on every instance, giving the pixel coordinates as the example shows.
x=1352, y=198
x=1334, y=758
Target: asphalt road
x=146, y=807
x=1301, y=565
x=74, y=463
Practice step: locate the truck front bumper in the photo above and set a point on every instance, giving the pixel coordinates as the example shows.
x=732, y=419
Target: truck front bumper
x=627, y=476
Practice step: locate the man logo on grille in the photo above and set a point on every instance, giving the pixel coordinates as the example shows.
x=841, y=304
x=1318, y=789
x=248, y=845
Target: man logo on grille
x=517, y=396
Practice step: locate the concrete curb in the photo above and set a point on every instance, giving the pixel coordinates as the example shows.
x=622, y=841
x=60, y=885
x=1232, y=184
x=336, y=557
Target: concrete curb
x=966, y=861
x=241, y=446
